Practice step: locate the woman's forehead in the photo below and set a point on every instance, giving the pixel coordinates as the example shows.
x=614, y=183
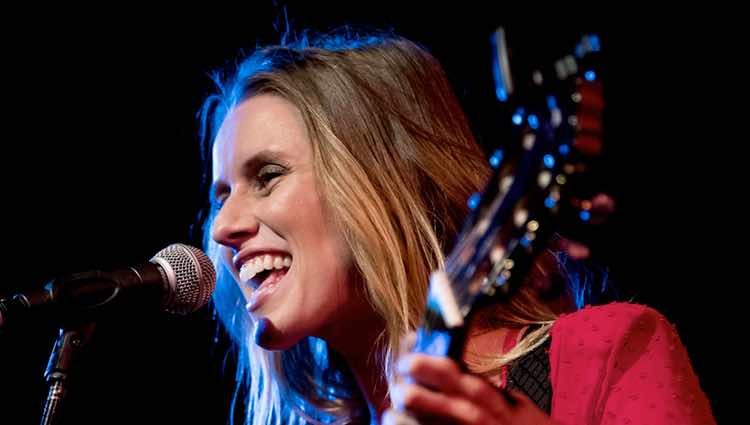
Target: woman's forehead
x=263, y=124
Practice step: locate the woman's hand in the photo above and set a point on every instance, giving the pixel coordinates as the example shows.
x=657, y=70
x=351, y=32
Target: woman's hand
x=435, y=390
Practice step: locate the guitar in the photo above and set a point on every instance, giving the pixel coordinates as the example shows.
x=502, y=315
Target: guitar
x=532, y=194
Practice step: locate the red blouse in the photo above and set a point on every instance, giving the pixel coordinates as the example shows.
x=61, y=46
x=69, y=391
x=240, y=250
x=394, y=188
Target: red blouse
x=622, y=364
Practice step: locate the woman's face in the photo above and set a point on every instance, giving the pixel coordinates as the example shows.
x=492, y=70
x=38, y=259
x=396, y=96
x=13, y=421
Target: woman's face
x=279, y=241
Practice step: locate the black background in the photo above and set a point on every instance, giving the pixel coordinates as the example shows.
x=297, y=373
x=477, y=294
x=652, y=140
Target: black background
x=101, y=168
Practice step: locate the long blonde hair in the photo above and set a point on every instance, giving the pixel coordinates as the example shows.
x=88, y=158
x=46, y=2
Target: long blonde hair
x=395, y=161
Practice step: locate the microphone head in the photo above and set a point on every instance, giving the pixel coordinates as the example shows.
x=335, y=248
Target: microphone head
x=190, y=275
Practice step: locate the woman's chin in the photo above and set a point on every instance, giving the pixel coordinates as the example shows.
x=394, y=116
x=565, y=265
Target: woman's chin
x=269, y=337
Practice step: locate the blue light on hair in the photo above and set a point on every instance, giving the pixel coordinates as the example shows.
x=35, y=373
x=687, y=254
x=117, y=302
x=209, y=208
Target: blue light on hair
x=589, y=75
x=525, y=242
x=549, y=161
x=496, y=159
x=533, y=121
x=588, y=281
x=585, y=215
x=473, y=201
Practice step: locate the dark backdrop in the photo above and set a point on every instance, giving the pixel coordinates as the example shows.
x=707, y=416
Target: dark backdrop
x=101, y=168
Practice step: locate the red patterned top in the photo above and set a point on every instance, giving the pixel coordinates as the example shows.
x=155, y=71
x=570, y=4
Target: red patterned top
x=622, y=364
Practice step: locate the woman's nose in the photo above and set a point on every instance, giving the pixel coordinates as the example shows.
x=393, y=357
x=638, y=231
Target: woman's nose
x=234, y=224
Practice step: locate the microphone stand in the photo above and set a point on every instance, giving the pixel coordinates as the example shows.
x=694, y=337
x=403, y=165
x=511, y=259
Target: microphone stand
x=68, y=345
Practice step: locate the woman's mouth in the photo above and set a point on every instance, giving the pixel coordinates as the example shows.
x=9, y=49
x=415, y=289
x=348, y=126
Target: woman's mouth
x=263, y=273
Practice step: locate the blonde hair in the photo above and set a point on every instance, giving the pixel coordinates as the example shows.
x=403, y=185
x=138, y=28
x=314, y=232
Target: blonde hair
x=395, y=162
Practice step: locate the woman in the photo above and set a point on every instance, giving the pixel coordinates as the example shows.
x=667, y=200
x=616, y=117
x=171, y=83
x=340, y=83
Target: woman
x=341, y=169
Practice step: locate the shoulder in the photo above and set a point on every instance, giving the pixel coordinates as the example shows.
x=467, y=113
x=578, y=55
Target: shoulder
x=604, y=328
x=611, y=316
x=622, y=359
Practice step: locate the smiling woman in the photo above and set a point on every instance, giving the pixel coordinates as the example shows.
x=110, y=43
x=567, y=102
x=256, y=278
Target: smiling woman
x=341, y=167
x=322, y=157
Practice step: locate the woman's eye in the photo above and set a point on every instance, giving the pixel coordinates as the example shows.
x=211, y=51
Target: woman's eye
x=267, y=173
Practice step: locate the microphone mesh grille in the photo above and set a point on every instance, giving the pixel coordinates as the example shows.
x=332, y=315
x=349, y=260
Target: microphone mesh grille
x=195, y=277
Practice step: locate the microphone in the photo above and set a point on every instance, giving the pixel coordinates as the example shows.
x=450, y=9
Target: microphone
x=179, y=279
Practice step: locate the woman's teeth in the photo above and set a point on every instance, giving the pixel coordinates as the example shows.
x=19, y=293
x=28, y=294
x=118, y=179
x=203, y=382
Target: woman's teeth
x=263, y=262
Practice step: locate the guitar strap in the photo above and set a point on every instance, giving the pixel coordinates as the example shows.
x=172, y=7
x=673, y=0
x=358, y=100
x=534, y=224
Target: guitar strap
x=530, y=374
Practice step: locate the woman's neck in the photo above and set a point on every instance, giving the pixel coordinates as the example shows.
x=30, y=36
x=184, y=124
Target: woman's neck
x=370, y=376
x=360, y=344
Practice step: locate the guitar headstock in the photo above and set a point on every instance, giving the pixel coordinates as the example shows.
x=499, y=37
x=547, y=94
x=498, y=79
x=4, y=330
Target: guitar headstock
x=557, y=129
